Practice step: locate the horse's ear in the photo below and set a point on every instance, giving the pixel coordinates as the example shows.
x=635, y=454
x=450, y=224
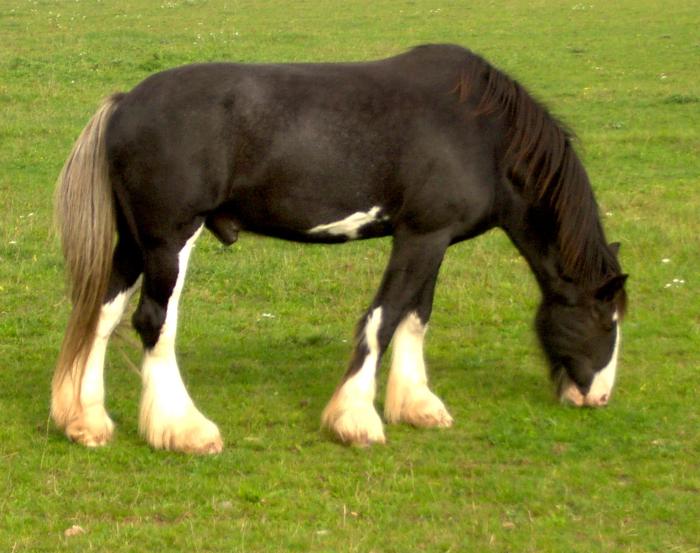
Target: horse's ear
x=610, y=288
x=615, y=248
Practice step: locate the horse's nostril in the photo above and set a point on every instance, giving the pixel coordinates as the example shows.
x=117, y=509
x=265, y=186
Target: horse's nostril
x=603, y=399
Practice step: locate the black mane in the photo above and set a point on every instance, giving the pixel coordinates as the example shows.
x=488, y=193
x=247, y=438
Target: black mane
x=539, y=158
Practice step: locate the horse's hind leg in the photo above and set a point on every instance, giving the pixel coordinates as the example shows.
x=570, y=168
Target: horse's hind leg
x=413, y=267
x=78, y=407
x=168, y=418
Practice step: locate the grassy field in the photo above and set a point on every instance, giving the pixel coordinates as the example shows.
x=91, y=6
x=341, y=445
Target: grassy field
x=518, y=472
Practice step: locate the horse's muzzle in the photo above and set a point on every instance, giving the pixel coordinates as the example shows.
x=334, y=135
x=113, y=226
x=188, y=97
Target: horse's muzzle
x=571, y=395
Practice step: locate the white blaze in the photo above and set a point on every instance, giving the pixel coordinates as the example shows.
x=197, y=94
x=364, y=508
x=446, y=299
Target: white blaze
x=604, y=380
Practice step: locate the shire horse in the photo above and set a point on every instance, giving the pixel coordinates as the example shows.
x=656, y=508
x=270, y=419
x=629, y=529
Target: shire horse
x=431, y=147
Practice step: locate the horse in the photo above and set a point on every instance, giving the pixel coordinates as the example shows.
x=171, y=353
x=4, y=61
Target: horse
x=431, y=147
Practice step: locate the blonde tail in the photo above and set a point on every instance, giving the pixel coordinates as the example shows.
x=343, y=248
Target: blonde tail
x=85, y=215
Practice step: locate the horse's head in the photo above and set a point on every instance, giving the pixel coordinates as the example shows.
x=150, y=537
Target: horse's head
x=580, y=334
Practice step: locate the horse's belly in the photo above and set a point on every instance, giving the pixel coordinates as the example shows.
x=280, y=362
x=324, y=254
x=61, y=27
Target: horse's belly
x=318, y=216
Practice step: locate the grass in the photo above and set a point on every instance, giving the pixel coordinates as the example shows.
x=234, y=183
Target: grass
x=518, y=472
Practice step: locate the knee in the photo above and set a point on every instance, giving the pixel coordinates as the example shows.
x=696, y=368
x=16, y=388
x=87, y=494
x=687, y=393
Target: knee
x=148, y=321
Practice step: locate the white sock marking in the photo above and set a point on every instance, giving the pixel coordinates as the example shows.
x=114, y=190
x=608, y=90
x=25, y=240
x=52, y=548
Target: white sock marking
x=362, y=385
x=163, y=386
x=351, y=414
x=407, y=364
x=92, y=386
x=351, y=225
x=85, y=419
x=408, y=397
x=168, y=416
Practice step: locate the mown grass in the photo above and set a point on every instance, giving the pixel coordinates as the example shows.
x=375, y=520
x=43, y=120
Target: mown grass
x=518, y=472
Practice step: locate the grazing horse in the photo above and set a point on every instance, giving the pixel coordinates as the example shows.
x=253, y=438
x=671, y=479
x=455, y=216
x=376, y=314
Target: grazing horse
x=432, y=147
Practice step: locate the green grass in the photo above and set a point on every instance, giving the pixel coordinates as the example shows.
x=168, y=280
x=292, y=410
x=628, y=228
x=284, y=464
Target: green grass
x=518, y=472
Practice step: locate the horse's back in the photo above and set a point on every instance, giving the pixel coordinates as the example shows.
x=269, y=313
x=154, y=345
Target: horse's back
x=206, y=97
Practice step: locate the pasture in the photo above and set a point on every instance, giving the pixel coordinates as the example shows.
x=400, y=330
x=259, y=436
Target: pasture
x=267, y=326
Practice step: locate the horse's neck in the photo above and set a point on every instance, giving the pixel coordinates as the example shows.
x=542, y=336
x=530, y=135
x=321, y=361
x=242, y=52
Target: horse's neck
x=535, y=237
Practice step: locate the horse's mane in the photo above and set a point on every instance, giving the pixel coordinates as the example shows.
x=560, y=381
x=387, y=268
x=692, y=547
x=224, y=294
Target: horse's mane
x=540, y=159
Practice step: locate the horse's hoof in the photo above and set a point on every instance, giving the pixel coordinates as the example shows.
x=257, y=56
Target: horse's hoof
x=422, y=409
x=92, y=428
x=357, y=425
x=190, y=433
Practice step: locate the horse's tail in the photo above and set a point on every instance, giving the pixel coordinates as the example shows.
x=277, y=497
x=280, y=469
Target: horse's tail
x=86, y=223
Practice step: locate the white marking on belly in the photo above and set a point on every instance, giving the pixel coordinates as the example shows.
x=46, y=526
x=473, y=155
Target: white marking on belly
x=351, y=225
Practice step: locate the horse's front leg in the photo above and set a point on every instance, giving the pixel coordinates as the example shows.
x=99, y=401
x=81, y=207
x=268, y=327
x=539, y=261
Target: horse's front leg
x=350, y=415
x=408, y=280
x=408, y=398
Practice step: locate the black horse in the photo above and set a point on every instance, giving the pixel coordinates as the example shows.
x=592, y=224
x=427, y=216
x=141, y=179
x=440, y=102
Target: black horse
x=432, y=147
